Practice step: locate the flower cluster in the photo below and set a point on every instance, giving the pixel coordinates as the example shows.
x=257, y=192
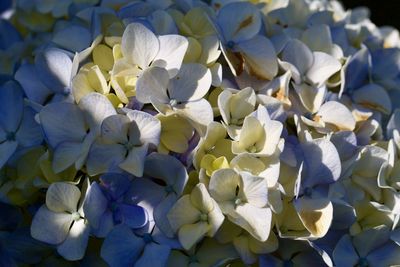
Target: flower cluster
x=198, y=133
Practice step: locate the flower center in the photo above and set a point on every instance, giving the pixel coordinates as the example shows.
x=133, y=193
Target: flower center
x=76, y=216
x=238, y=201
x=252, y=149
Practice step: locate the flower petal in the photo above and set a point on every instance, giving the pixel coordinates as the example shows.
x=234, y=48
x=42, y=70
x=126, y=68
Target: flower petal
x=95, y=205
x=139, y=45
x=154, y=255
x=191, y=83
x=223, y=184
x=50, y=227
x=152, y=85
x=171, y=53
x=74, y=247
x=190, y=234
x=134, y=162
x=62, y=197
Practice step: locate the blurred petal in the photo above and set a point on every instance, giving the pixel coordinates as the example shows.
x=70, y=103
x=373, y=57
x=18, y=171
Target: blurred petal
x=11, y=106
x=7, y=149
x=154, y=255
x=73, y=38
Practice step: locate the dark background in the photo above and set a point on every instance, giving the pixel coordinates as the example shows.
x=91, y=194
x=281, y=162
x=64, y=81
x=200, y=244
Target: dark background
x=383, y=12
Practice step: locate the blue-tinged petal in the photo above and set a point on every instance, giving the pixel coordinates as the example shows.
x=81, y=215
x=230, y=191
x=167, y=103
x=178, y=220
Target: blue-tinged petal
x=65, y=155
x=134, y=216
x=11, y=106
x=116, y=184
x=259, y=56
x=8, y=34
x=160, y=213
x=322, y=163
x=74, y=247
x=96, y=107
x=72, y=128
x=73, y=38
x=54, y=69
x=95, y=205
x=345, y=143
x=357, y=70
x=7, y=149
x=29, y=132
x=10, y=217
x=103, y=158
x=139, y=45
x=105, y=226
x=34, y=89
x=114, y=129
x=50, y=227
x=154, y=255
x=371, y=239
x=239, y=21
x=393, y=124
x=121, y=247
x=298, y=54
x=344, y=253
x=162, y=23
x=387, y=255
x=147, y=194
x=168, y=169
x=385, y=63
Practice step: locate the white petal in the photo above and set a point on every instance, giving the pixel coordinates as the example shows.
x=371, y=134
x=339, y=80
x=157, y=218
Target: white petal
x=139, y=45
x=134, y=163
x=223, y=184
x=255, y=189
x=199, y=113
x=62, y=197
x=190, y=234
x=298, y=54
x=50, y=227
x=260, y=58
x=182, y=213
x=256, y=221
x=74, y=247
x=337, y=114
x=171, y=53
x=152, y=85
x=191, y=83
x=311, y=97
x=149, y=126
x=96, y=107
x=316, y=215
x=324, y=66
